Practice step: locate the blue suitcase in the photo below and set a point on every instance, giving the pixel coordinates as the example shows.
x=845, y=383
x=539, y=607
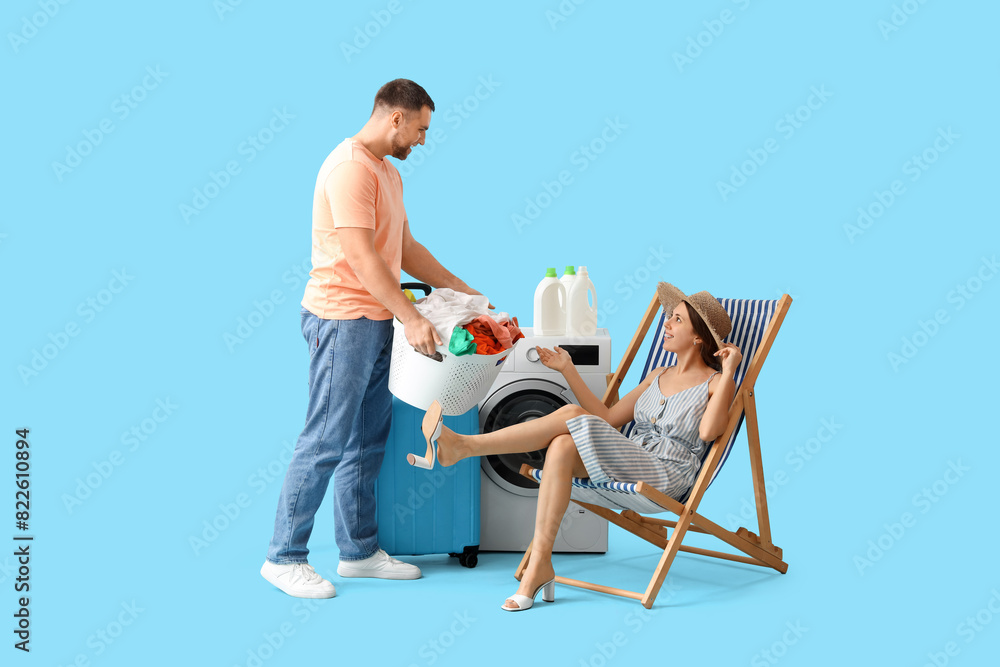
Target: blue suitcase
x=427, y=511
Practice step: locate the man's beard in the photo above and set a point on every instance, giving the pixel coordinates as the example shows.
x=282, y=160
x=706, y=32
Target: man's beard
x=400, y=152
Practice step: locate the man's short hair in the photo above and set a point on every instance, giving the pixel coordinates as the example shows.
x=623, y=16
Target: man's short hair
x=402, y=94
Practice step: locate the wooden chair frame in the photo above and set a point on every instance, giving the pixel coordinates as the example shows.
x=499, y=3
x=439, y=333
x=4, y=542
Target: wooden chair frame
x=759, y=548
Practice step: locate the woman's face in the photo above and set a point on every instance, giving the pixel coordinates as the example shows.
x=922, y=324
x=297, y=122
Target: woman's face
x=678, y=334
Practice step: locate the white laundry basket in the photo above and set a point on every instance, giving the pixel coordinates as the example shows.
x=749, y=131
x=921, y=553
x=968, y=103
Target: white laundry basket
x=458, y=383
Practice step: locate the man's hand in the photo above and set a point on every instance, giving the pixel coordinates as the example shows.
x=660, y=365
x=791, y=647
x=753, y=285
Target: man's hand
x=422, y=335
x=465, y=289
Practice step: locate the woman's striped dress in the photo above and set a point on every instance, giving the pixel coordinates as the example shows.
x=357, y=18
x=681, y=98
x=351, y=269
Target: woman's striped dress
x=664, y=449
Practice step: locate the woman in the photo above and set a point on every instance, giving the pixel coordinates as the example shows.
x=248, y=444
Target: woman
x=679, y=411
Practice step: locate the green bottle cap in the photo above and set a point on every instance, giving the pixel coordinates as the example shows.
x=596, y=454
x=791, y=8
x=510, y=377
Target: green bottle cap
x=570, y=271
x=550, y=273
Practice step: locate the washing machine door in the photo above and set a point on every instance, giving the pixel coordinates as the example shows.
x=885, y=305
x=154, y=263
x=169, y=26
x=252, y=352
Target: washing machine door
x=515, y=403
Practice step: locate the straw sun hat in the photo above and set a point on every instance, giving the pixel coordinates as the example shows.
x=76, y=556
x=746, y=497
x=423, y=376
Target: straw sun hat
x=704, y=304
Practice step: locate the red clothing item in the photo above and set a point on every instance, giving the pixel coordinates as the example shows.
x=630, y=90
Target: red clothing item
x=514, y=330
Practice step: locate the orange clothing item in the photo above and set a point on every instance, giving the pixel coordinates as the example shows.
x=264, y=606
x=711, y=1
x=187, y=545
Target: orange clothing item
x=353, y=189
x=492, y=337
x=486, y=342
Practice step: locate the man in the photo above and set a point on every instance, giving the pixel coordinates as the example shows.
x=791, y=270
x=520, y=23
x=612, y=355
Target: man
x=360, y=241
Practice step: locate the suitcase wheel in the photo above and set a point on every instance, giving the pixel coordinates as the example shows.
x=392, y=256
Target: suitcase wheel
x=469, y=556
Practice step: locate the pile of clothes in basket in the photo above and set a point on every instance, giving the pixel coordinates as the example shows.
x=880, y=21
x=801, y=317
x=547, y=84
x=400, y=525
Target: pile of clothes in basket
x=466, y=325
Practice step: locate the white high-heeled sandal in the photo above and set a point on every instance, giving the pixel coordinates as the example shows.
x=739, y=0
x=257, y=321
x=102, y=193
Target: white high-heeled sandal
x=524, y=602
x=431, y=428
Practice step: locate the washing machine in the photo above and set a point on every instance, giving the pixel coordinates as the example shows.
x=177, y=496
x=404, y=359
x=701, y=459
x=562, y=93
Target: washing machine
x=524, y=390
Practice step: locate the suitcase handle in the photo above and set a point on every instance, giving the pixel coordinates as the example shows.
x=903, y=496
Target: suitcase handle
x=423, y=287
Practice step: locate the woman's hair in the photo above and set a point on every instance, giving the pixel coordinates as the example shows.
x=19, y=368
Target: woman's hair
x=708, y=345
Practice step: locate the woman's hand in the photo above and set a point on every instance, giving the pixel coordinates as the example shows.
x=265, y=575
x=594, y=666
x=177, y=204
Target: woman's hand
x=731, y=357
x=557, y=359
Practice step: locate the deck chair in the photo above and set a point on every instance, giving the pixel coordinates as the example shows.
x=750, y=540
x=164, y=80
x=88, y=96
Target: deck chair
x=755, y=325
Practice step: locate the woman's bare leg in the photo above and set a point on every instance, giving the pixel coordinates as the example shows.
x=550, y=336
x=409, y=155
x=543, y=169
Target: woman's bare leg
x=562, y=463
x=529, y=436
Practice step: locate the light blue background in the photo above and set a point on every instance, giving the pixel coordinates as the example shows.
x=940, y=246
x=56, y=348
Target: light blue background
x=555, y=86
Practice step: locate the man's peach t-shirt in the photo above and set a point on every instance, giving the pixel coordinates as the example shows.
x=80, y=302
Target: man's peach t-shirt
x=353, y=189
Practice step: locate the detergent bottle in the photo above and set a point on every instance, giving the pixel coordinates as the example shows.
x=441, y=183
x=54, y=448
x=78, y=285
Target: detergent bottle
x=569, y=275
x=581, y=306
x=550, y=306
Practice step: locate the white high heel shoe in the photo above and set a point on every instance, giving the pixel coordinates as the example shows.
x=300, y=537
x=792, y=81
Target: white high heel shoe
x=523, y=602
x=431, y=427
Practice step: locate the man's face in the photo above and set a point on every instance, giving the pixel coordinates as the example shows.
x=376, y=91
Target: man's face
x=410, y=130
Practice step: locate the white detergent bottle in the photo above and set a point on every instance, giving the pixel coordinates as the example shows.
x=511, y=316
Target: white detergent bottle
x=550, y=306
x=581, y=306
x=569, y=275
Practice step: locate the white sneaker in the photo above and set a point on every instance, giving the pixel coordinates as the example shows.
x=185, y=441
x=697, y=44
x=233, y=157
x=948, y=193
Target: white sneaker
x=379, y=565
x=298, y=580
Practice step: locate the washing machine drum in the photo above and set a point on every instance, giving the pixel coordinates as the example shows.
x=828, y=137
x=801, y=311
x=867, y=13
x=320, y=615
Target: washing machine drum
x=516, y=403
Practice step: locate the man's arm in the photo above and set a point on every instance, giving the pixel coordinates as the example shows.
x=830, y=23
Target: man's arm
x=421, y=264
x=352, y=188
x=358, y=244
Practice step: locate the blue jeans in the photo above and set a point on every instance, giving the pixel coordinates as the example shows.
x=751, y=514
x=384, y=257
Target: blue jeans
x=347, y=425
